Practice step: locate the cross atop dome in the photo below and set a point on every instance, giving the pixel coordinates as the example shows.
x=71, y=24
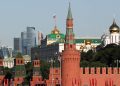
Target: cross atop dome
x=114, y=22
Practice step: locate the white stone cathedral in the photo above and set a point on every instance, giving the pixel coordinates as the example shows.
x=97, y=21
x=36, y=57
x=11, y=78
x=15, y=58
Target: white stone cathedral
x=113, y=36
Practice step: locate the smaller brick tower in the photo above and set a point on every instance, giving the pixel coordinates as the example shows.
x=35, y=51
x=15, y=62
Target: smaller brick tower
x=20, y=71
x=70, y=56
x=37, y=78
x=1, y=72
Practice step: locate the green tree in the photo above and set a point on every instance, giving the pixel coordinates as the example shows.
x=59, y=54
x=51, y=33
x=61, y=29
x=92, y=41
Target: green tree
x=104, y=56
x=108, y=54
x=84, y=63
x=88, y=56
x=44, y=68
x=29, y=69
x=97, y=64
x=8, y=73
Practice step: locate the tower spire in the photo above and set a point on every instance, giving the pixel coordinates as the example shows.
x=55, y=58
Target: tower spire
x=69, y=16
x=69, y=27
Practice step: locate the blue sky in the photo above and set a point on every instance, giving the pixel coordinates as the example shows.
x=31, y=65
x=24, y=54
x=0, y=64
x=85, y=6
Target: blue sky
x=91, y=17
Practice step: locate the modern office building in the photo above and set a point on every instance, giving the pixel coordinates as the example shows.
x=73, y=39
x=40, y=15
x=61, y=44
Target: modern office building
x=24, y=42
x=4, y=52
x=31, y=39
x=40, y=38
x=17, y=45
x=10, y=51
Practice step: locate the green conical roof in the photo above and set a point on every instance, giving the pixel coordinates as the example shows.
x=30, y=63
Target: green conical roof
x=69, y=16
x=19, y=55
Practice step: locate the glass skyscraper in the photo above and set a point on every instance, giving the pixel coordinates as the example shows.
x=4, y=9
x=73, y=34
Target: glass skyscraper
x=4, y=52
x=24, y=42
x=17, y=45
x=31, y=39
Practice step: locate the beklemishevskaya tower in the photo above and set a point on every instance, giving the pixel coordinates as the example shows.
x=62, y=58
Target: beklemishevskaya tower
x=70, y=56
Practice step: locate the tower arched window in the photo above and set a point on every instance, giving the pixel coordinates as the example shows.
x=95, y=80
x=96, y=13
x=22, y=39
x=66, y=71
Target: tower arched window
x=18, y=61
x=0, y=62
x=21, y=61
x=37, y=63
x=112, y=70
x=18, y=79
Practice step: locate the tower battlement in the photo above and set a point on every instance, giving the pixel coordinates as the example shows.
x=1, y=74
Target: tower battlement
x=100, y=70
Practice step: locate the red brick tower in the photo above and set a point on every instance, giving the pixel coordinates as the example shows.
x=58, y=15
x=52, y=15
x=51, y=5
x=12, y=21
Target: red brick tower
x=20, y=71
x=70, y=56
x=37, y=78
x=1, y=72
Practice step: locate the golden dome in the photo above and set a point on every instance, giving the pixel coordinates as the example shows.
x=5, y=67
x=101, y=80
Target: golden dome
x=55, y=30
x=87, y=42
x=114, y=28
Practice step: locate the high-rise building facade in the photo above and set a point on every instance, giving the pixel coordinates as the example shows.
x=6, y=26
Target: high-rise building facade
x=40, y=37
x=31, y=39
x=4, y=52
x=10, y=51
x=24, y=42
x=17, y=45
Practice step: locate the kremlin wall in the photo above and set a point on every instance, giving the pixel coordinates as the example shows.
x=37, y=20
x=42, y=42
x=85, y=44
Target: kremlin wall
x=70, y=74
